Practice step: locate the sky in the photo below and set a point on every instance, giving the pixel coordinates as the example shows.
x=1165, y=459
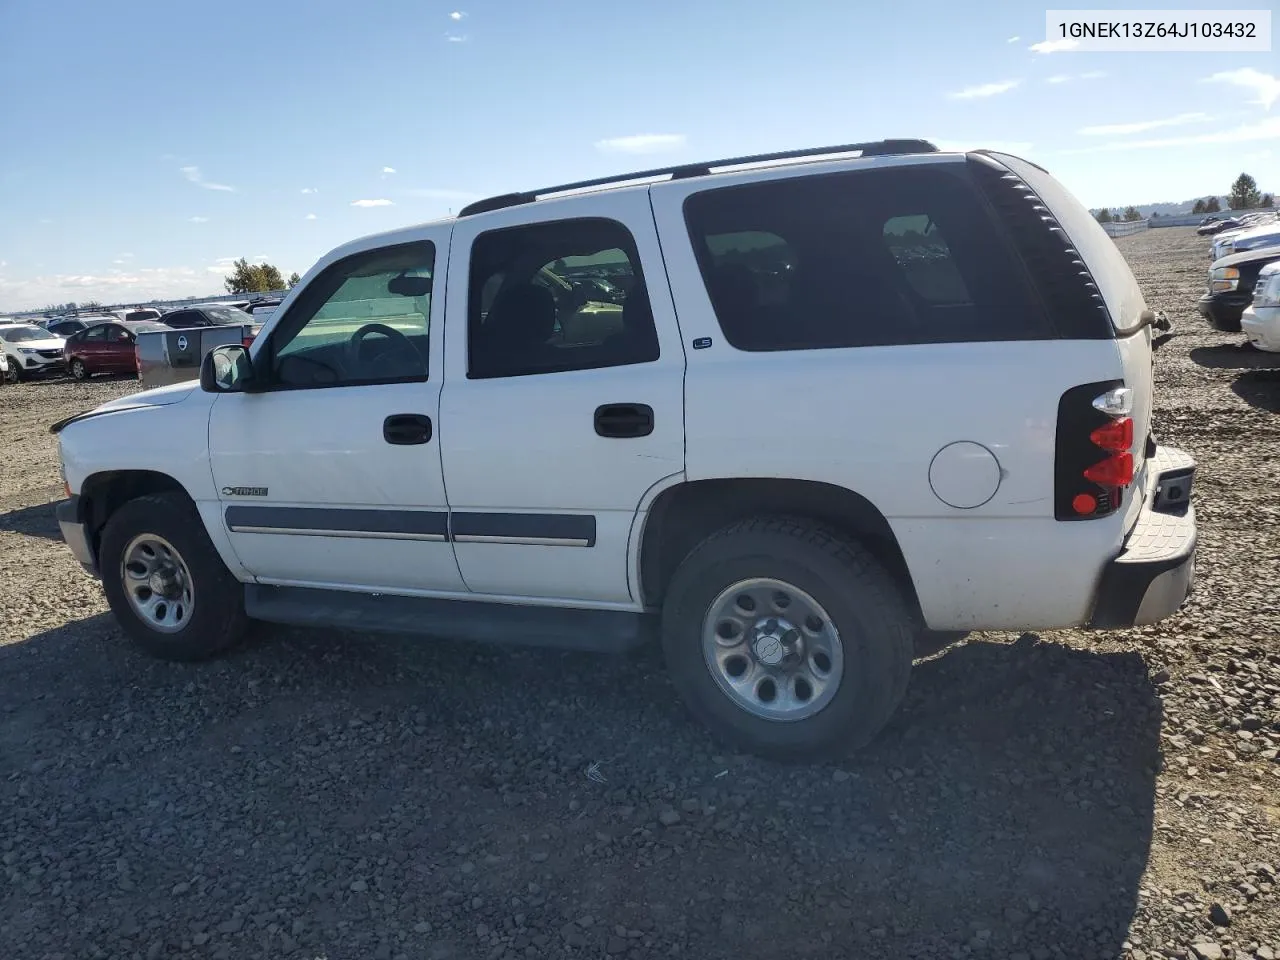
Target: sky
x=145, y=144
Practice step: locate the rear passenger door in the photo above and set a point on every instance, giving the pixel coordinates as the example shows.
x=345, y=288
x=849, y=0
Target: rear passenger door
x=563, y=398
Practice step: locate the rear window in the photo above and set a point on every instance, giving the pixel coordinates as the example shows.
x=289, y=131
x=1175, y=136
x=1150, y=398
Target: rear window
x=135, y=316
x=874, y=257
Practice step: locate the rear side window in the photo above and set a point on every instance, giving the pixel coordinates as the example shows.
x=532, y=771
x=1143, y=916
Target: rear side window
x=876, y=257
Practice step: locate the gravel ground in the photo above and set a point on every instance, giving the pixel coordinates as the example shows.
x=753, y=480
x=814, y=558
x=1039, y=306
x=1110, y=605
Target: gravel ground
x=326, y=795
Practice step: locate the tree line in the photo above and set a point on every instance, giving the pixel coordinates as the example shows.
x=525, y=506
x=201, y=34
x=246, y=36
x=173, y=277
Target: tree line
x=1244, y=195
x=249, y=277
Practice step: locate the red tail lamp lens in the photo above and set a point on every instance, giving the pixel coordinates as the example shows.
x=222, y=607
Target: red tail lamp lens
x=1115, y=471
x=1116, y=436
x=1084, y=504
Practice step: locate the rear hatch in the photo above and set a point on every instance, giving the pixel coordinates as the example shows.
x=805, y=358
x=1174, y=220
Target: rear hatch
x=1130, y=319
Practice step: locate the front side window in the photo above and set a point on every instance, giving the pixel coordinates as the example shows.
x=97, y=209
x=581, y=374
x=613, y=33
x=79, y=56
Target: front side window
x=364, y=320
x=118, y=335
x=96, y=334
x=558, y=296
x=900, y=255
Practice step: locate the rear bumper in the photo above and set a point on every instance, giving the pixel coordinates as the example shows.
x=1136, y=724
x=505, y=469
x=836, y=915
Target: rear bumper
x=1153, y=574
x=76, y=533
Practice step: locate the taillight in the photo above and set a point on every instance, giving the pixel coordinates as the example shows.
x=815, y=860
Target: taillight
x=1094, y=460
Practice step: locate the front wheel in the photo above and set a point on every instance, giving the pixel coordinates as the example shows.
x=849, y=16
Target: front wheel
x=788, y=639
x=79, y=370
x=165, y=582
x=14, y=373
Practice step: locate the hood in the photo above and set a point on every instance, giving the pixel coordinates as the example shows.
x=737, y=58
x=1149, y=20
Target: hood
x=146, y=400
x=1250, y=256
x=48, y=343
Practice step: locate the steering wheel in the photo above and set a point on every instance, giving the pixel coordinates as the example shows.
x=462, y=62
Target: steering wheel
x=354, y=361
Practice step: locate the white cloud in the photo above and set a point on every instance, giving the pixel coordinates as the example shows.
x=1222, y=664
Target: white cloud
x=372, y=203
x=194, y=175
x=1013, y=39
x=1268, y=129
x=457, y=15
x=1054, y=46
x=309, y=216
x=388, y=169
x=642, y=143
x=456, y=37
x=197, y=219
x=1265, y=86
x=984, y=90
x=310, y=190
x=1093, y=75
x=137, y=285
x=4, y=263
x=119, y=262
x=1141, y=126
x=1059, y=78
x=226, y=260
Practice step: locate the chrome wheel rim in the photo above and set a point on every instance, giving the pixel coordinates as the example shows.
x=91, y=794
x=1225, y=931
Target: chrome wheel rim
x=78, y=369
x=772, y=649
x=157, y=583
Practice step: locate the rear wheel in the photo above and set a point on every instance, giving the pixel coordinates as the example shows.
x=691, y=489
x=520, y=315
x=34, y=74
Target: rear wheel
x=79, y=370
x=787, y=639
x=166, y=583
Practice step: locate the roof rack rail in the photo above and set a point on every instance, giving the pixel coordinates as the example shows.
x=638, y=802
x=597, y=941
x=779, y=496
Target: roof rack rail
x=873, y=148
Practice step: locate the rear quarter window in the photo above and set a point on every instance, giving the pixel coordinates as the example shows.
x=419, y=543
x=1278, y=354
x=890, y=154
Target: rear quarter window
x=900, y=255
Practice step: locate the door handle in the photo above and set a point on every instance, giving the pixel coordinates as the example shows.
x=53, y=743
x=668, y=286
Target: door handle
x=406, y=429
x=624, y=420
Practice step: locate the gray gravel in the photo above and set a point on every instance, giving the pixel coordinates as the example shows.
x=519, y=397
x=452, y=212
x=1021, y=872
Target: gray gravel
x=1070, y=795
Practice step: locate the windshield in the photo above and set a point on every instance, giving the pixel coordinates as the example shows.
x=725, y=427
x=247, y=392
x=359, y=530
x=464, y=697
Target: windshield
x=24, y=334
x=147, y=326
x=227, y=315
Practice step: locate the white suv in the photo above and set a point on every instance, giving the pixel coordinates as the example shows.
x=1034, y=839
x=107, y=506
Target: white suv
x=795, y=416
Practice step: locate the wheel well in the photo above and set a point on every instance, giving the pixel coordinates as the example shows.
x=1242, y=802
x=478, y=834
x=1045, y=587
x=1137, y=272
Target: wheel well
x=684, y=515
x=103, y=494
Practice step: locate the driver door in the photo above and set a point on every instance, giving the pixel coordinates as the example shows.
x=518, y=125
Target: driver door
x=328, y=468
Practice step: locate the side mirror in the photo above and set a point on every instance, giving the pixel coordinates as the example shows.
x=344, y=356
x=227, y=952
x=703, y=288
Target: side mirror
x=226, y=369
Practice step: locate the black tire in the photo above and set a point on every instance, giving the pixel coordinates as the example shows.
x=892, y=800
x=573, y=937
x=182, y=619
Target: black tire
x=876, y=625
x=78, y=370
x=218, y=620
x=15, y=372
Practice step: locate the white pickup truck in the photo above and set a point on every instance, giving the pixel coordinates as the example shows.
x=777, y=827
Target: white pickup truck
x=831, y=403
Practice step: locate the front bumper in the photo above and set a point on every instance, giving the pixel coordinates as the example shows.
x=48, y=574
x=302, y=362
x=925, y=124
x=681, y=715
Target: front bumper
x=1261, y=327
x=76, y=533
x=1223, y=310
x=1153, y=574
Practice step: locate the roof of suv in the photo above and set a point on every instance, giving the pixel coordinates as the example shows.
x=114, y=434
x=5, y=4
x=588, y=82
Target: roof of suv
x=875, y=148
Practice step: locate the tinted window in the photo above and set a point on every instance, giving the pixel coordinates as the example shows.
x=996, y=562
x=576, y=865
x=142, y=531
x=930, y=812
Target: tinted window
x=221, y=315
x=552, y=297
x=364, y=320
x=890, y=256
x=181, y=320
x=117, y=334
x=66, y=328
x=135, y=315
x=96, y=334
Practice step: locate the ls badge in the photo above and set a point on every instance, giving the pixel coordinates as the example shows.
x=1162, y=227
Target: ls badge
x=244, y=491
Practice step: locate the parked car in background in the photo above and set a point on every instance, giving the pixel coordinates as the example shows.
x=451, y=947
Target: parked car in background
x=1266, y=234
x=32, y=351
x=1261, y=320
x=1231, y=285
x=66, y=326
x=261, y=310
x=136, y=314
x=1215, y=224
x=205, y=315
x=106, y=348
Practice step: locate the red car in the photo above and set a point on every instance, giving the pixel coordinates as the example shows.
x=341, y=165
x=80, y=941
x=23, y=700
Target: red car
x=105, y=348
